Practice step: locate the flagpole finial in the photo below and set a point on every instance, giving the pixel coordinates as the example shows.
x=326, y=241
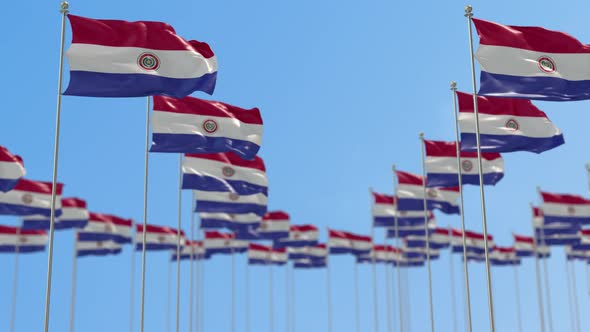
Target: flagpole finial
x=421, y=135
x=453, y=85
x=468, y=11
x=588, y=167
x=64, y=7
x=393, y=167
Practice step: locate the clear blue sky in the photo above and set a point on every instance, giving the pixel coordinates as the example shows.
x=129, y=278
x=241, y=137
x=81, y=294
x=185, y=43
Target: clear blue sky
x=344, y=88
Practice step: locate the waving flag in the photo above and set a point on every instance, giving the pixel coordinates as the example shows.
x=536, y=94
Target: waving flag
x=97, y=248
x=410, y=193
x=299, y=236
x=157, y=237
x=224, y=172
x=584, y=244
x=30, y=197
x=385, y=211
x=409, y=262
x=442, y=170
x=223, y=243
x=230, y=202
x=474, y=257
x=504, y=256
x=412, y=230
x=274, y=225
x=440, y=238
x=574, y=254
x=341, y=242
x=475, y=242
x=559, y=239
x=309, y=264
x=192, y=125
x=531, y=63
x=110, y=58
x=565, y=208
x=263, y=255
x=525, y=247
x=191, y=250
x=11, y=169
x=104, y=227
x=74, y=215
x=229, y=220
x=315, y=252
x=506, y=125
x=25, y=241
x=381, y=254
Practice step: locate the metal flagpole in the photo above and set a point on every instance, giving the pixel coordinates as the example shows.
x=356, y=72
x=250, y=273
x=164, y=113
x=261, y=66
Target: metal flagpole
x=469, y=14
x=408, y=301
x=517, y=291
x=294, y=303
x=168, y=297
x=546, y=276
x=587, y=279
x=192, y=263
x=374, y=268
x=271, y=299
x=538, y=275
x=64, y=10
x=233, y=290
x=460, y=179
x=356, y=298
x=247, y=297
x=569, y=298
x=15, y=281
x=328, y=286
x=426, y=234
x=74, y=279
x=178, y=238
x=287, y=299
x=202, y=293
x=452, y=275
x=132, y=279
x=575, y=293
x=387, y=286
x=145, y=205
x=396, y=230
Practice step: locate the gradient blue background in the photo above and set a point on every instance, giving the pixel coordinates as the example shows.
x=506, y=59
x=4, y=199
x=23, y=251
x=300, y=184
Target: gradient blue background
x=344, y=88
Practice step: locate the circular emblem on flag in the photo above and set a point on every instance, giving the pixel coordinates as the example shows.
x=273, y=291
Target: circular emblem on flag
x=263, y=226
x=571, y=210
x=99, y=244
x=228, y=171
x=403, y=213
x=432, y=192
x=233, y=196
x=27, y=198
x=210, y=126
x=226, y=243
x=161, y=238
x=148, y=61
x=546, y=64
x=297, y=235
x=512, y=124
x=467, y=165
x=22, y=239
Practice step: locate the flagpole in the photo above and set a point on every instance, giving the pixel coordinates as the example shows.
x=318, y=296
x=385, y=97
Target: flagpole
x=64, y=10
x=145, y=206
x=15, y=280
x=452, y=275
x=74, y=279
x=387, y=286
x=426, y=234
x=408, y=300
x=294, y=305
x=356, y=298
x=328, y=286
x=374, y=268
x=538, y=274
x=569, y=298
x=572, y=267
x=132, y=279
x=247, y=297
x=233, y=289
x=396, y=230
x=178, y=236
x=271, y=300
x=202, y=293
x=192, y=263
x=287, y=299
x=469, y=14
x=546, y=275
x=517, y=290
x=460, y=179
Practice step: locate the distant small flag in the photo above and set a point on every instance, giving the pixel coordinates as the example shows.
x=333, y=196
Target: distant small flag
x=157, y=237
x=74, y=215
x=531, y=63
x=274, y=225
x=438, y=239
x=12, y=169
x=525, y=247
x=104, y=227
x=584, y=244
x=565, y=208
x=25, y=241
x=559, y=239
x=97, y=248
x=506, y=125
x=30, y=197
x=419, y=252
x=574, y=254
x=409, y=262
x=413, y=230
x=381, y=254
x=442, y=169
x=385, y=211
x=192, y=125
x=264, y=255
x=504, y=256
x=110, y=58
x=191, y=250
x=230, y=202
x=223, y=243
x=475, y=242
x=309, y=263
x=229, y=220
x=224, y=172
x=341, y=242
x=299, y=236
x=410, y=193
x=315, y=252
x=474, y=256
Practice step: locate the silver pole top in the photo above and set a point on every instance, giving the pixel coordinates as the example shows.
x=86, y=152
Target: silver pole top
x=421, y=135
x=64, y=7
x=588, y=167
x=393, y=167
x=453, y=85
x=468, y=11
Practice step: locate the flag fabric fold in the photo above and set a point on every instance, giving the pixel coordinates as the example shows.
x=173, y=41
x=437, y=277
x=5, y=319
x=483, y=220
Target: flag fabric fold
x=157, y=237
x=565, y=208
x=190, y=250
x=13, y=239
x=504, y=256
x=97, y=248
x=229, y=220
x=340, y=242
x=12, y=169
x=265, y=255
x=29, y=198
x=74, y=215
x=385, y=213
x=230, y=202
x=105, y=227
x=216, y=242
x=475, y=242
x=299, y=236
x=410, y=193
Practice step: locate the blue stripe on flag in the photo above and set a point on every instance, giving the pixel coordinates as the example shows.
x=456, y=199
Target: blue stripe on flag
x=193, y=143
